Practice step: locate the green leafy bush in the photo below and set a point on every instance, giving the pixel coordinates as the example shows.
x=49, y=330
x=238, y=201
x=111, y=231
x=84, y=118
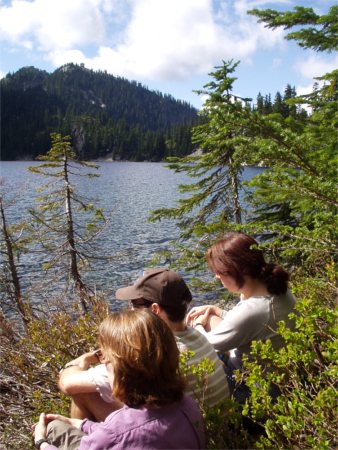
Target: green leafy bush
x=305, y=373
x=223, y=422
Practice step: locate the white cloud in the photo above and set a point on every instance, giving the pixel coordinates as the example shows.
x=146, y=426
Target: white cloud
x=315, y=65
x=312, y=67
x=171, y=39
x=52, y=24
x=68, y=56
x=143, y=39
x=28, y=45
x=303, y=90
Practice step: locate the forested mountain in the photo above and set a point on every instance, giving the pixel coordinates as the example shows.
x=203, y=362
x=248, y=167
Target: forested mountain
x=104, y=114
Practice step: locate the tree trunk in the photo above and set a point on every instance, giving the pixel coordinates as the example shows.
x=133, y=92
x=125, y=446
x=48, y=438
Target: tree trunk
x=14, y=281
x=235, y=190
x=73, y=269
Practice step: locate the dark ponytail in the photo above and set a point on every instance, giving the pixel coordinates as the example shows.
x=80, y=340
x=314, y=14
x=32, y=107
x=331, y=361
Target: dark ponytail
x=275, y=278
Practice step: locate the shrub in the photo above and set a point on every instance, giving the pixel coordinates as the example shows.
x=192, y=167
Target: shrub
x=223, y=422
x=31, y=363
x=304, y=372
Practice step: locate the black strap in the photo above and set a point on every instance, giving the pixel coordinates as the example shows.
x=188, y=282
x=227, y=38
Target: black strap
x=38, y=443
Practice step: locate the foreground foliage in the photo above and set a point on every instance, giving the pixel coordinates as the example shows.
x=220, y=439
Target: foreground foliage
x=30, y=364
x=305, y=372
x=223, y=422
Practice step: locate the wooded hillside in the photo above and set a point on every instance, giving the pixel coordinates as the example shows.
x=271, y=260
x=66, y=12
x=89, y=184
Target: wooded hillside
x=104, y=114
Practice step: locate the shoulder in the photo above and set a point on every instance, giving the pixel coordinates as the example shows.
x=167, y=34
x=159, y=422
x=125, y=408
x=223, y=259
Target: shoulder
x=253, y=303
x=99, y=370
x=288, y=296
x=125, y=419
x=248, y=311
x=190, y=410
x=283, y=305
x=284, y=301
x=189, y=403
x=197, y=343
x=191, y=339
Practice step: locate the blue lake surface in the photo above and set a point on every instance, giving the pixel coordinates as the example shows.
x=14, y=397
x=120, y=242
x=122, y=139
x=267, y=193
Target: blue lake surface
x=127, y=192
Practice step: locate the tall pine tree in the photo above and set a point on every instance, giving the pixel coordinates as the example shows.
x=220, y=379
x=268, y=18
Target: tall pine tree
x=62, y=236
x=293, y=202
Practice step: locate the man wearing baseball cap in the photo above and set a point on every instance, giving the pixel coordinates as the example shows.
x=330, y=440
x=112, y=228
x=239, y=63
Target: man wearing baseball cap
x=164, y=293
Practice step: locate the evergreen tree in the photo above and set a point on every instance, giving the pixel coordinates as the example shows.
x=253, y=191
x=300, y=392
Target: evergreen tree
x=295, y=198
x=63, y=238
x=267, y=107
x=303, y=153
x=290, y=106
x=260, y=103
x=278, y=106
x=212, y=203
x=316, y=32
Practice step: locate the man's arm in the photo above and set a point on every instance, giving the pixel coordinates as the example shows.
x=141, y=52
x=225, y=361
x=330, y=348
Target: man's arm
x=74, y=378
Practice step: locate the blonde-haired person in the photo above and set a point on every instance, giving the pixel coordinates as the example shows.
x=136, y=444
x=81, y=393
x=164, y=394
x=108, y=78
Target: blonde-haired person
x=164, y=293
x=142, y=360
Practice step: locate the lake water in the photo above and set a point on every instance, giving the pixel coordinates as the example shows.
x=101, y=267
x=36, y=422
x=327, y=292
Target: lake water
x=127, y=192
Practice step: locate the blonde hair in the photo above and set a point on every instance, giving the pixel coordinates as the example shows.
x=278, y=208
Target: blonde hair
x=145, y=358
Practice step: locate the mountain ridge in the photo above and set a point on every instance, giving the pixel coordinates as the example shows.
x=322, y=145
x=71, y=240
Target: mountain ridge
x=103, y=114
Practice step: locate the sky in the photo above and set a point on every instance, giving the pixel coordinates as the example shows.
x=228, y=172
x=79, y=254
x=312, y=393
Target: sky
x=167, y=45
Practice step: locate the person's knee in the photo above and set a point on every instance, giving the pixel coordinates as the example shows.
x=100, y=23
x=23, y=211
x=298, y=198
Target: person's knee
x=81, y=397
x=63, y=435
x=86, y=399
x=66, y=387
x=56, y=427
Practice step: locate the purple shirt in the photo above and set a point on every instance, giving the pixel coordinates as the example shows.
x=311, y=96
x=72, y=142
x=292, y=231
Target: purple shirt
x=175, y=426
